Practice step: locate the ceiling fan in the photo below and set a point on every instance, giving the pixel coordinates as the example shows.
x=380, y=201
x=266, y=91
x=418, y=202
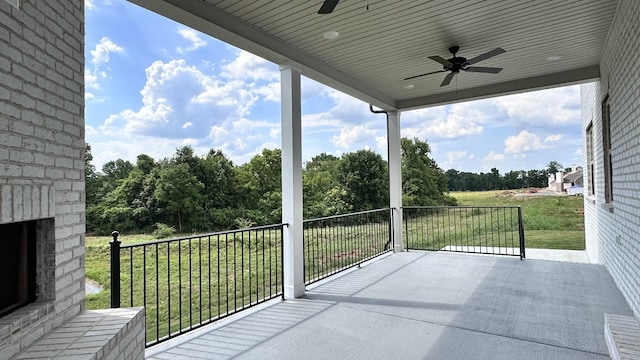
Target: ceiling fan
x=328, y=6
x=459, y=63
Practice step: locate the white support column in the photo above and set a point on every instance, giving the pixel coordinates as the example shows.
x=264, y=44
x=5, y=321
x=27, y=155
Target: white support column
x=395, y=176
x=293, y=261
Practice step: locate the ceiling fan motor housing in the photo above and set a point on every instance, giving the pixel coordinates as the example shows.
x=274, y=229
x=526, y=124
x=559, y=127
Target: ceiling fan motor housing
x=457, y=62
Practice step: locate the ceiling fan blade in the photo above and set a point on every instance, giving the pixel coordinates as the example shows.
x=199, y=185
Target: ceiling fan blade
x=328, y=6
x=490, y=70
x=429, y=73
x=485, y=56
x=447, y=79
x=441, y=60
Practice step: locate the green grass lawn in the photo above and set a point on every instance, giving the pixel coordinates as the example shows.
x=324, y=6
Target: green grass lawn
x=203, y=278
x=550, y=222
x=213, y=276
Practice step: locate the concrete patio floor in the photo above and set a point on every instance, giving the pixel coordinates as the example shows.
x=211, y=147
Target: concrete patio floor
x=427, y=305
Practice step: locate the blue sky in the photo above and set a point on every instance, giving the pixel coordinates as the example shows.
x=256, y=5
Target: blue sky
x=152, y=85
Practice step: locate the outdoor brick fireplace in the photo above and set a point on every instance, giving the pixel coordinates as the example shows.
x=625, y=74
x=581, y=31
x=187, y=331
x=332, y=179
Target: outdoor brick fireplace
x=42, y=191
x=26, y=262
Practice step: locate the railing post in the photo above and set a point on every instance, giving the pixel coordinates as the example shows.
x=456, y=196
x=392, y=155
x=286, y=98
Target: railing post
x=115, y=270
x=521, y=233
x=282, y=258
x=392, y=239
x=406, y=230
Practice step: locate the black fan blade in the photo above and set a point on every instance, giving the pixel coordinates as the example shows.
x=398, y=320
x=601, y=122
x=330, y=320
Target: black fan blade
x=429, y=73
x=490, y=70
x=441, y=60
x=485, y=56
x=447, y=79
x=328, y=6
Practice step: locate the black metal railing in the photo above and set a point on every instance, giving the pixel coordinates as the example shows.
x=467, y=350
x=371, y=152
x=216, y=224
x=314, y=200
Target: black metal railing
x=188, y=282
x=494, y=230
x=336, y=243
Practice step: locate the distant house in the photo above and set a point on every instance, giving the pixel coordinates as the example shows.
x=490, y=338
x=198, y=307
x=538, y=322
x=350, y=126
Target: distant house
x=573, y=178
x=567, y=179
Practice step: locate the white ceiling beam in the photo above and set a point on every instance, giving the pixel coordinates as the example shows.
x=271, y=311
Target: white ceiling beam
x=571, y=77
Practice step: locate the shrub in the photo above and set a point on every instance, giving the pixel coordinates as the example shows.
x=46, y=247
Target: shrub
x=163, y=231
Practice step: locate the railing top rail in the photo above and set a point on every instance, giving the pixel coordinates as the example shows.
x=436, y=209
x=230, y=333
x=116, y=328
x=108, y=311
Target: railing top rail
x=163, y=241
x=346, y=215
x=463, y=207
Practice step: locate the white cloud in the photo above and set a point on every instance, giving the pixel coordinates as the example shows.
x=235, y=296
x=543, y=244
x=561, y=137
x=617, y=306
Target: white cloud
x=105, y=149
x=311, y=88
x=455, y=126
x=553, y=138
x=193, y=37
x=89, y=5
x=270, y=92
x=492, y=156
x=453, y=156
x=523, y=142
x=90, y=80
x=381, y=142
x=444, y=122
x=100, y=55
x=249, y=66
x=352, y=135
x=455, y=159
x=176, y=93
x=180, y=104
x=492, y=160
x=349, y=110
x=539, y=109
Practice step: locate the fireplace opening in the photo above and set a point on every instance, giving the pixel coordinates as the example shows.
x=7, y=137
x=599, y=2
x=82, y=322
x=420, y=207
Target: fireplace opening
x=17, y=265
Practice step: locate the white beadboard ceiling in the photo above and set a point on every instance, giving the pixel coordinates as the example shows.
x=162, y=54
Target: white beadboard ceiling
x=381, y=42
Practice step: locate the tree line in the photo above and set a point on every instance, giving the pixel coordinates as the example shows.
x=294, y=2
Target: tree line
x=192, y=193
x=468, y=181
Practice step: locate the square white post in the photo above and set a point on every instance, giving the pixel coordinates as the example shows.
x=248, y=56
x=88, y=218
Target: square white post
x=395, y=176
x=293, y=261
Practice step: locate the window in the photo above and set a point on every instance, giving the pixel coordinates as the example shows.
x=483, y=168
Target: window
x=606, y=150
x=590, y=162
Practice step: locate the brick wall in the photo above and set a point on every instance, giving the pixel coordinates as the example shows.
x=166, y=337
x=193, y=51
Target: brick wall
x=42, y=150
x=613, y=231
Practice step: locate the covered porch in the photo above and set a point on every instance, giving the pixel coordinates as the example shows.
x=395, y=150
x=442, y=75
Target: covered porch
x=430, y=305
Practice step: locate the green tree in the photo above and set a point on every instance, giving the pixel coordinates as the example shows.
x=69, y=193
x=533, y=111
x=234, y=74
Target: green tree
x=363, y=177
x=495, y=179
x=323, y=196
x=259, y=184
x=219, y=180
x=145, y=163
x=514, y=179
x=114, y=172
x=93, y=180
x=453, y=180
x=536, y=178
x=423, y=182
x=554, y=166
x=180, y=192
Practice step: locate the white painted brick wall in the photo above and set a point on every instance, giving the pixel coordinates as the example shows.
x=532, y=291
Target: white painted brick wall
x=613, y=233
x=42, y=146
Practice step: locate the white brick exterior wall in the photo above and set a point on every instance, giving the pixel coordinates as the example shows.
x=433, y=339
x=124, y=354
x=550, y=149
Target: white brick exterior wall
x=613, y=231
x=42, y=150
